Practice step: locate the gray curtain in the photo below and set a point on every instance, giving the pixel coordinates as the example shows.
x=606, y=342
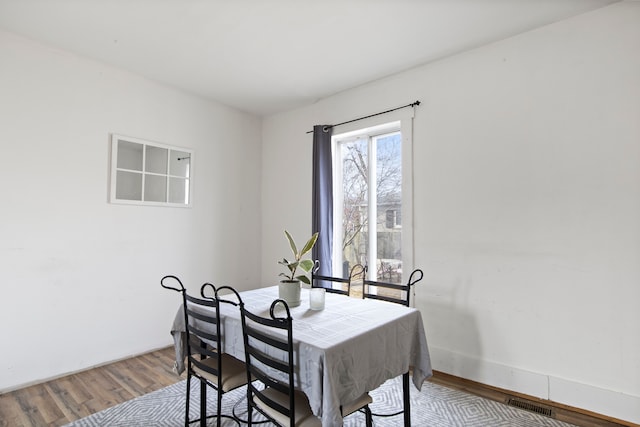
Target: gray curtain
x=322, y=193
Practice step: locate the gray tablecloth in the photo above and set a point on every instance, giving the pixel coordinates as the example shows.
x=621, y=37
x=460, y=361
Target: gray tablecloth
x=349, y=348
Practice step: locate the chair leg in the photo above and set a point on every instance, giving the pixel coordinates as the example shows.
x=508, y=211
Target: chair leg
x=367, y=415
x=407, y=402
x=203, y=403
x=219, y=411
x=249, y=407
x=186, y=411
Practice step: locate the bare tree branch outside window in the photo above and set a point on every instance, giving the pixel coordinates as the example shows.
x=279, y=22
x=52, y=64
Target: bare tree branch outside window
x=388, y=185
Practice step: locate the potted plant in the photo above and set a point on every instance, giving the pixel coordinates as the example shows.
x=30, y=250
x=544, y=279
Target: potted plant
x=289, y=288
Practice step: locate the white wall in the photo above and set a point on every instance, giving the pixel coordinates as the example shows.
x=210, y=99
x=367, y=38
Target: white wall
x=80, y=276
x=526, y=205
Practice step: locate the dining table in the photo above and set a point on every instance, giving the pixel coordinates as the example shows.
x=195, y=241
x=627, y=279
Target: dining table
x=349, y=348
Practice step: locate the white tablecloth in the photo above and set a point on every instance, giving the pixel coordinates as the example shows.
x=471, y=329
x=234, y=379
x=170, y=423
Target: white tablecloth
x=349, y=348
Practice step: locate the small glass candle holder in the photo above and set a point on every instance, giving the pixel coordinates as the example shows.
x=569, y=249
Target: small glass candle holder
x=316, y=298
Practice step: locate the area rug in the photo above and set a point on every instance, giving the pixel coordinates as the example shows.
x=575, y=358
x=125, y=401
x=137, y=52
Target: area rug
x=434, y=406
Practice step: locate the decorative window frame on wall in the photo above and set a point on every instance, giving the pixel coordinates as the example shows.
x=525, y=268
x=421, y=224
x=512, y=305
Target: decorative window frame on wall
x=150, y=173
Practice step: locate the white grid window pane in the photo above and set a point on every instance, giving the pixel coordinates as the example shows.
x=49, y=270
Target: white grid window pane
x=156, y=159
x=179, y=163
x=155, y=188
x=129, y=155
x=129, y=186
x=178, y=190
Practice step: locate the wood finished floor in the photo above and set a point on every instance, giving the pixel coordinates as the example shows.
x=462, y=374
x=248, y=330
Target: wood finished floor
x=60, y=401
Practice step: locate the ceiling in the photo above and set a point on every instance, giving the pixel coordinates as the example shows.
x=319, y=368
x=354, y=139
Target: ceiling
x=268, y=56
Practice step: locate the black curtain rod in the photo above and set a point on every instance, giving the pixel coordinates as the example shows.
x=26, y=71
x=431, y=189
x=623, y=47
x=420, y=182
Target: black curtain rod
x=413, y=104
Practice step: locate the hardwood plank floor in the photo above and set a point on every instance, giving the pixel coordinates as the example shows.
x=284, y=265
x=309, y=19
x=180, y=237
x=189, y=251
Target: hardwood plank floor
x=60, y=401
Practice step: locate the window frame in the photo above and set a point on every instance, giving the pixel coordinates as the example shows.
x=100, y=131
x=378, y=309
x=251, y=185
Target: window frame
x=401, y=120
x=148, y=173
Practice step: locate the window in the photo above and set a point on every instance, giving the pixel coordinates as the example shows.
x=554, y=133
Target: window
x=372, y=171
x=393, y=218
x=144, y=172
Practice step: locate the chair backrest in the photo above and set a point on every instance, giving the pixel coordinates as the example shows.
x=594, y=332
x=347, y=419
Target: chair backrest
x=356, y=277
x=268, y=346
x=202, y=324
x=228, y=295
x=327, y=282
x=392, y=292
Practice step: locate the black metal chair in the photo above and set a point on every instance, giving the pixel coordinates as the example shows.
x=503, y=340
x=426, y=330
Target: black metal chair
x=398, y=294
x=392, y=292
x=326, y=282
x=205, y=362
x=357, y=275
x=268, y=344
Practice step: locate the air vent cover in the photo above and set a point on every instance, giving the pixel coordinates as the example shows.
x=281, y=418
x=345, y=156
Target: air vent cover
x=530, y=406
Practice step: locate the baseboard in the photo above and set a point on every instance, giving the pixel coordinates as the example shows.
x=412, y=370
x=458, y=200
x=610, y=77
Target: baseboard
x=623, y=408
x=619, y=405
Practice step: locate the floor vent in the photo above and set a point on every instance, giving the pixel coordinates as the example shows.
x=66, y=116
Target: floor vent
x=530, y=406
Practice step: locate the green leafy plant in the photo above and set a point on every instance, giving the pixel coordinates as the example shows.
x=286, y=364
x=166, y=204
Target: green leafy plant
x=297, y=262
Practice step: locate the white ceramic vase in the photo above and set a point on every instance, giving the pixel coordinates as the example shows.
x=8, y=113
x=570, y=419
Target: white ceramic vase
x=289, y=290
